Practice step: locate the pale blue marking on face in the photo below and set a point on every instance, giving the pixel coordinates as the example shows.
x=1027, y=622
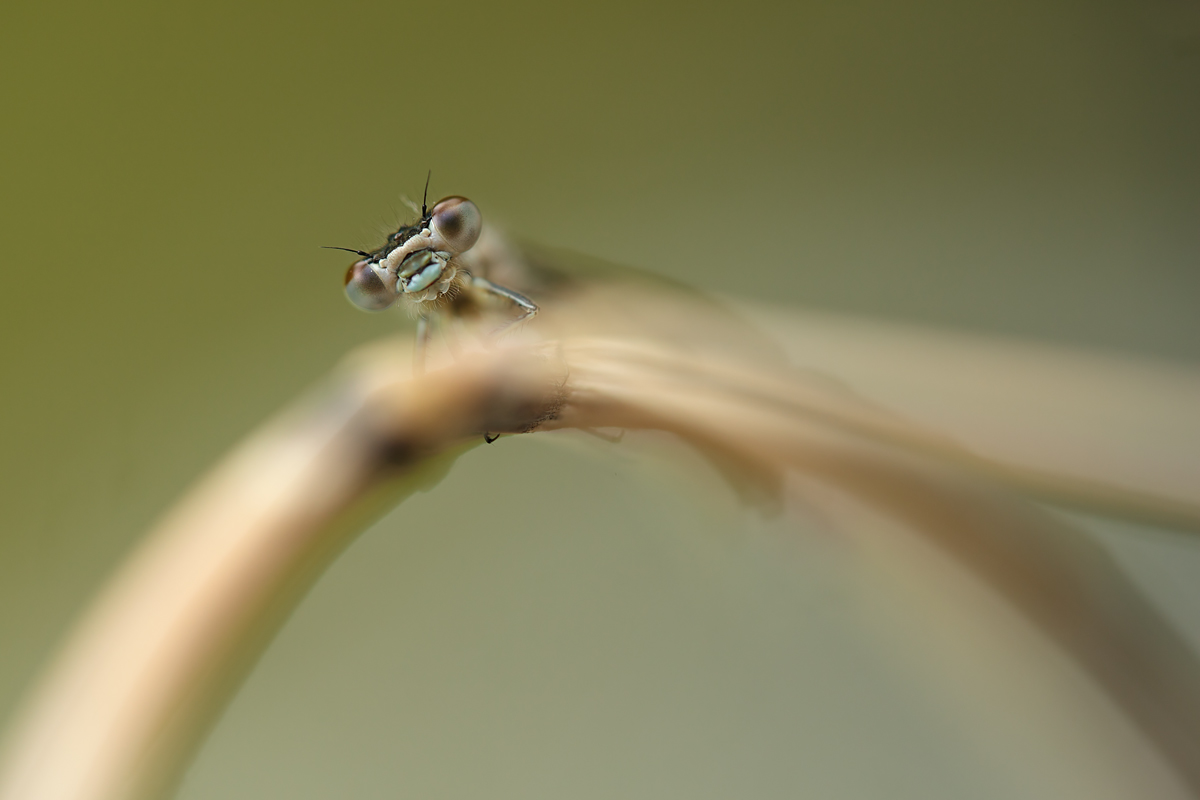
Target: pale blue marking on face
x=425, y=278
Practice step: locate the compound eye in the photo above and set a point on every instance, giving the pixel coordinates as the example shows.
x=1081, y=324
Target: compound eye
x=458, y=222
x=365, y=289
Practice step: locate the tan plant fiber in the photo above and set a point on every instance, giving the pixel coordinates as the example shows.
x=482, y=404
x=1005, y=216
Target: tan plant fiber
x=120, y=711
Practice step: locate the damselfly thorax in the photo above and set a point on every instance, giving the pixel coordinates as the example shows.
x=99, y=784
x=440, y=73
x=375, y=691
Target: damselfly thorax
x=431, y=268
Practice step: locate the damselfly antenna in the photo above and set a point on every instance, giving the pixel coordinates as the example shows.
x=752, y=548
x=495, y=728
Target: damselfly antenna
x=425, y=194
x=348, y=250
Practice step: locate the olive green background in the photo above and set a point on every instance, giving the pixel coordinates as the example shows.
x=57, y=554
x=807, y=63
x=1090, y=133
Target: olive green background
x=562, y=621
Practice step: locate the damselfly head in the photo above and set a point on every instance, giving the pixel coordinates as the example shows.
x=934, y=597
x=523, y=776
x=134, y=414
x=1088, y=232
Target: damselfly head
x=419, y=261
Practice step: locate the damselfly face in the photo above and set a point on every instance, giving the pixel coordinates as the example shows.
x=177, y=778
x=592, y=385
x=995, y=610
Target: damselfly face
x=418, y=261
x=428, y=265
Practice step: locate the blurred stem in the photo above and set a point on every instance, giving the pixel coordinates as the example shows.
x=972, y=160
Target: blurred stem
x=151, y=665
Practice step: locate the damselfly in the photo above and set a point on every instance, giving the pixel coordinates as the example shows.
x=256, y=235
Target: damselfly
x=430, y=265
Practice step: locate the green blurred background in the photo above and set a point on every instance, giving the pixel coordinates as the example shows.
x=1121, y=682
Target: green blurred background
x=559, y=621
